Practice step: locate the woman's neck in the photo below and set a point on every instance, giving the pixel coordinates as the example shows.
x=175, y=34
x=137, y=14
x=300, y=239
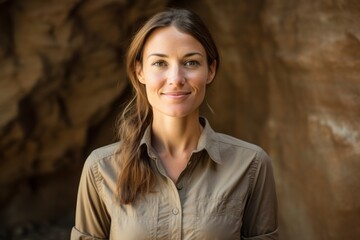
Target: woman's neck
x=175, y=136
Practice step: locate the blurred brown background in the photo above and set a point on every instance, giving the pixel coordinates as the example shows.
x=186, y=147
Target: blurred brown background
x=289, y=82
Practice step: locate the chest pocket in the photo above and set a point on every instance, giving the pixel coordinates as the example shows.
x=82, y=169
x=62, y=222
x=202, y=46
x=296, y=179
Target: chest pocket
x=215, y=219
x=137, y=222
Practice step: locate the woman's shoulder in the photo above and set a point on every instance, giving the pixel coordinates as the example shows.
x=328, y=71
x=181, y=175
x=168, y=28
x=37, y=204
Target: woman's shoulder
x=230, y=141
x=234, y=148
x=101, y=154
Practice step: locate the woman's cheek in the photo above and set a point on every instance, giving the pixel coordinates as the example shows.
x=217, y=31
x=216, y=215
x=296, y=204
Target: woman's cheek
x=157, y=77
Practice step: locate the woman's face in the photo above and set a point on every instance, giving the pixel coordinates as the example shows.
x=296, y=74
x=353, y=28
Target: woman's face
x=175, y=72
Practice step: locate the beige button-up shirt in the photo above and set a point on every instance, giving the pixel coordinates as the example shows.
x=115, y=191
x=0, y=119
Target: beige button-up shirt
x=226, y=192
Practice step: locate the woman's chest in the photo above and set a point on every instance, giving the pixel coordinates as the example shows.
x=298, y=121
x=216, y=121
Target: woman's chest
x=173, y=213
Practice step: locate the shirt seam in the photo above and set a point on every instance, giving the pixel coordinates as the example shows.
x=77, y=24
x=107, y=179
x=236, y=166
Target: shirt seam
x=95, y=169
x=256, y=149
x=253, y=169
x=98, y=178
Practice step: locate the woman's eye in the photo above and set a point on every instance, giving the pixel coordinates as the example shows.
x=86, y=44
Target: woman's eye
x=159, y=64
x=192, y=63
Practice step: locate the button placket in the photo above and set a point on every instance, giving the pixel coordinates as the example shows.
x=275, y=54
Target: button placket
x=175, y=212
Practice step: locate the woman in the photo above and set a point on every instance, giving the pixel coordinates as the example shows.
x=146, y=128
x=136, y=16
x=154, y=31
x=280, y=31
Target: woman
x=171, y=176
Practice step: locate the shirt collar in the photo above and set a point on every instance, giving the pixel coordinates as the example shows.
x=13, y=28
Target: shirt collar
x=208, y=141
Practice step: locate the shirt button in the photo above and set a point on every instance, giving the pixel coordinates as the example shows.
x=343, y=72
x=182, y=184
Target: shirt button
x=179, y=186
x=175, y=211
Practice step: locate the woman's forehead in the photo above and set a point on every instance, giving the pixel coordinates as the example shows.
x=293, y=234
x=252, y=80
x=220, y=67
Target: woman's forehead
x=170, y=39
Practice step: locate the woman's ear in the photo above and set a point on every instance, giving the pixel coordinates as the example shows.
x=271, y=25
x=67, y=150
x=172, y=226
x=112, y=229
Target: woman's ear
x=212, y=72
x=139, y=72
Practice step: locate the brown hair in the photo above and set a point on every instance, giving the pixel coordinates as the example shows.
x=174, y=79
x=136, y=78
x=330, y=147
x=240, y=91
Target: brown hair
x=136, y=176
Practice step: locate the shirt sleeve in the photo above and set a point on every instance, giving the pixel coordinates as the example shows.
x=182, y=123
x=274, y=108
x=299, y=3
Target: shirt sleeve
x=92, y=219
x=260, y=216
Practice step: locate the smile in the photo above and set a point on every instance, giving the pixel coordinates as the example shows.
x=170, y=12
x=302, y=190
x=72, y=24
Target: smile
x=176, y=95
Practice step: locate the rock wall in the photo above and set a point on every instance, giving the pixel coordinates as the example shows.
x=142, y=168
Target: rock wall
x=313, y=126
x=288, y=81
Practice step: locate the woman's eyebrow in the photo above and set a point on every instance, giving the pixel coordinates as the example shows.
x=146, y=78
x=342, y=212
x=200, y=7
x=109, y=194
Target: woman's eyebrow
x=157, y=55
x=166, y=56
x=192, y=54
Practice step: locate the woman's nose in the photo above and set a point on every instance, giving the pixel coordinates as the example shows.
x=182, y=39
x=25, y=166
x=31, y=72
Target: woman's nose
x=176, y=75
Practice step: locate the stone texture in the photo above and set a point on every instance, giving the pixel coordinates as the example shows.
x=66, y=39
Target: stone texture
x=289, y=81
x=313, y=127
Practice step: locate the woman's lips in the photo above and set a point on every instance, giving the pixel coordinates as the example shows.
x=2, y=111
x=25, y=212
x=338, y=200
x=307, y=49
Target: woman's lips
x=176, y=95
